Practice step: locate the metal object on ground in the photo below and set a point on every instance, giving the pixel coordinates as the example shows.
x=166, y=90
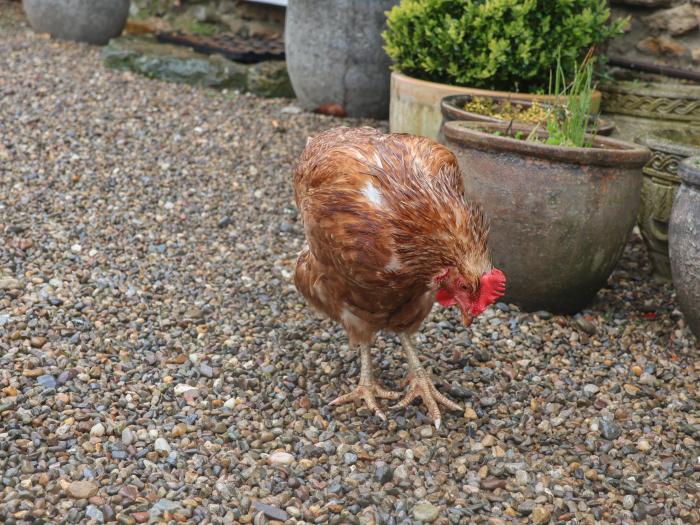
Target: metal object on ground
x=238, y=48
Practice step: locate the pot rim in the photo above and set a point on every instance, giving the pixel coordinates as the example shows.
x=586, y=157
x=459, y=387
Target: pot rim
x=609, y=153
x=689, y=171
x=449, y=106
x=597, y=95
x=656, y=140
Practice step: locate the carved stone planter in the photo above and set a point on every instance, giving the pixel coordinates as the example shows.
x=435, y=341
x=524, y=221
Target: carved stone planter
x=669, y=147
x=639, y=107
x=684, y=242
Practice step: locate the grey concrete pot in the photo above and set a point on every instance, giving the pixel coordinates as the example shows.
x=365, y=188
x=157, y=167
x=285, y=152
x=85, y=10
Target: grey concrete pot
x=91, y=21
x=560, y=216
x=335, y=55
x=684, y=242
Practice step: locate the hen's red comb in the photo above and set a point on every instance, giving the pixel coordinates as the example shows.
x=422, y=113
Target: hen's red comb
x=493, y=286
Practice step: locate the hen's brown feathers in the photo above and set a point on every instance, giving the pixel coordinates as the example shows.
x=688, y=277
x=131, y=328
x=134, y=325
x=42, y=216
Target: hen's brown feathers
x=382, y=214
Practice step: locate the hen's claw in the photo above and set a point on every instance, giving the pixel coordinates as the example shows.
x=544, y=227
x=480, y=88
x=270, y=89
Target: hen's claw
x=367, y=393
x=422, y=386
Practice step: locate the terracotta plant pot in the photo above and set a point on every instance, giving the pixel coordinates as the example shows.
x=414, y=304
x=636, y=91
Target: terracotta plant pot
x=560, y=216
x=415, y=104
x=669, y=147
x=640, y=107
x=452, y=108
x=684, y=242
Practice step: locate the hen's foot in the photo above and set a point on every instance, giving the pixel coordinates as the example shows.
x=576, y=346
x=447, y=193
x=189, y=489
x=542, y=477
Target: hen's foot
x=369, y=394
x=421, y=385
x=368, y=390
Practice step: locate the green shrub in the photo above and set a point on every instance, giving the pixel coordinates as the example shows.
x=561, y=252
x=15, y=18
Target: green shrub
x=508, y=45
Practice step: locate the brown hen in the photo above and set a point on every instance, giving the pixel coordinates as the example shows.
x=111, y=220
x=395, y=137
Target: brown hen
x=388, y=233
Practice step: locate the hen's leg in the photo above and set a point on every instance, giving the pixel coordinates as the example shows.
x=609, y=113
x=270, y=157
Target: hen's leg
x=421, y=384
x=368, y=390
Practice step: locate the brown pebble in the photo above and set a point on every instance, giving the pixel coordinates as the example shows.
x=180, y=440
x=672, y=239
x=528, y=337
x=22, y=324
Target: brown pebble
x=492, y=483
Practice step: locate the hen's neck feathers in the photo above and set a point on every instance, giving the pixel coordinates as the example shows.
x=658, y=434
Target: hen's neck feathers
x=434, y=225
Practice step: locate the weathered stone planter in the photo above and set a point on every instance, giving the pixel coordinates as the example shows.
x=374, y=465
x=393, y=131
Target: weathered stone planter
x=669, y=147
x=91, y=21
x=335, y=55
x=640, y=107
x=560, y=217
x=452, y=108
x=415, y=104
x=684, y=242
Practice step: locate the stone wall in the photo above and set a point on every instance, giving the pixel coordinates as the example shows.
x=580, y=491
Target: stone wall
x=660, y=31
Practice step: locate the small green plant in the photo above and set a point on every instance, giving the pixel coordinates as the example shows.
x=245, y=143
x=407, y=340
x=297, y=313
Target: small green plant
x=569, y=118
x=494, y=44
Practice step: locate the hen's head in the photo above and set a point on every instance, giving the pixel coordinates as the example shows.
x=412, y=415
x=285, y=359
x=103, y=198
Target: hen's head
x=471, y=294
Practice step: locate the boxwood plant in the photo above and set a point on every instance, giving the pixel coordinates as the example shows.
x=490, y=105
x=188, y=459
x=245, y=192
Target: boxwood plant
x=508, y=45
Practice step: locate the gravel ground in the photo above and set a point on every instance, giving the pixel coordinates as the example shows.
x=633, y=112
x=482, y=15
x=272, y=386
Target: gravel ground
x=156, y=362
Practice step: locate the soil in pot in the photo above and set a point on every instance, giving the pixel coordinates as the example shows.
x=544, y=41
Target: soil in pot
x=498, y=109
x=560, y=216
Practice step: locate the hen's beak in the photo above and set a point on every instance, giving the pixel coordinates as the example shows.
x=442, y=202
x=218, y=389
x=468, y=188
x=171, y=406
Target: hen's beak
x=466, y=312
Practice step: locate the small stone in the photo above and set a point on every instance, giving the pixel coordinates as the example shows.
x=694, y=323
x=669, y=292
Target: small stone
x=488, y=401
x=631, y=390
x=488, y=440
x=127, y=436
x=291, y=110
x=526, y=507
x=426, y=431
x=609, y=429
x=492, y=483
x=179, y=430
x=97, y=430
x=522, y=477
x=225, y=221
x=281, y=458
x=383, y=473
x=183, y=388
x=141, y=517
x=586, y=326
x=543, y=314
x=628, y=502
x=165, y=505
x=400, y=473
x=271, y=511
x=349, y=458
x=46, y=380
x=637, y=370
x=37, y=341
x=591, y=389
x=643, y=445
x=82, y=489
x=470, y=413
x=9, y=283
x=647, y=379
x=425, y=512
x=206, y=370
x=94, y=513
x=540, y=515
x=230, y=403
x=162, y=446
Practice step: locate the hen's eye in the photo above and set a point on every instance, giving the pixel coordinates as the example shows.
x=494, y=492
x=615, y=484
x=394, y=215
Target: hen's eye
x=463, y=287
